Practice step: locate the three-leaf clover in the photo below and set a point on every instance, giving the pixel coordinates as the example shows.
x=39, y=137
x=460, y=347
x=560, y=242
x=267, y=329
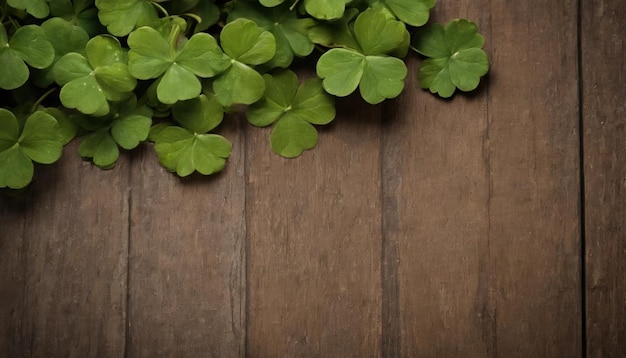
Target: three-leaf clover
x=190, y=147
x=123, y=16
x=126, y=126
x=28, y=45
x=90, y=82
x=456, y=57
x=290, y=31
x=247, y=45
x=368, y=67
x=294, y=109
x=36, y=140
x=177, y=65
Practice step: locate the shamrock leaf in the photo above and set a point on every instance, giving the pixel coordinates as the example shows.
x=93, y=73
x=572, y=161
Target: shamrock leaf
x=38, y=140
x=325, y=9
x=456, y=57
x=377, y=75
x=123, y=16
x=290, y=32
x=294, y=109
x=90, y=82
x=336, y=33
x=28, y=45
x=412, y=12
x=65, y=38
x=247, y=45
x=37, y=8
x=177, y=66
x=126, y=126
x=189, y=147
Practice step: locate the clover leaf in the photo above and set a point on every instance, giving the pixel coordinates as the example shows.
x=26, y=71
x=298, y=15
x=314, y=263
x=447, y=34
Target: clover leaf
x=37, y=8
x=177, y=66
x=456, y=57
x=377, y=75
x=28, y=45
x=80, y=13
x=325, y=9
x=90, y=82
x=290, y=32
x=189, y=147
x=294, y=109
x=126, y=126
x=412, y=12
x=37, y=140
x=247, y=45
x=123, y=16
x=65, y=38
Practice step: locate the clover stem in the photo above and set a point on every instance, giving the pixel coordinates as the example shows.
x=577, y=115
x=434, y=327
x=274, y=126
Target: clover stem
x=160, y=8
x=40, y=99
x=174, y=38
x=293, y=6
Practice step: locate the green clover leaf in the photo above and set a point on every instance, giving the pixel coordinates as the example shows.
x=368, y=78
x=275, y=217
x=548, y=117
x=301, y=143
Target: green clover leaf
x=38, y=141
x=90, y=82
x=294, y=109
x=79, y=13
x=247, y=45
x=377, y=75
x=28, y=45
x=65, y=38
x=326, y=9
x=456, y=57
x=37, y=8
x=177, y=66
x=189, y=147
x=126, y=126
x=411, y=12
x=123, y=16
x=337, y=33
x=290, y=32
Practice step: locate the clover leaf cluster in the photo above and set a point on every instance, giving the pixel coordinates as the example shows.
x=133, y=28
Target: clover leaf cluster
x=119, y=73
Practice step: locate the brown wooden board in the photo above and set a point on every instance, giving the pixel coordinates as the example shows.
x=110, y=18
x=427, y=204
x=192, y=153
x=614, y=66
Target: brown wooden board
x=481, y=197
x=72, y=262
x=314, y=242
x=187, y=268
x=603, y=31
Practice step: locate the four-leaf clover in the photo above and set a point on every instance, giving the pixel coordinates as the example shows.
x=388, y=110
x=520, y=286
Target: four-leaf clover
x=377, y=75
x=456, y=57
x=177, y=65
x=90, y=82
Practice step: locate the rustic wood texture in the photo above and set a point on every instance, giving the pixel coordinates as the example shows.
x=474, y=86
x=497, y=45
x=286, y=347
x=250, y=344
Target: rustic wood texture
x=187, y=259
x=418, y=227
x=314, y=243
x=69, y=296
x=604, y=137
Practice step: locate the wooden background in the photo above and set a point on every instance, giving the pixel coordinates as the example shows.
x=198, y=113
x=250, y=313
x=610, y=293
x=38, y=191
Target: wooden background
x=491, y=225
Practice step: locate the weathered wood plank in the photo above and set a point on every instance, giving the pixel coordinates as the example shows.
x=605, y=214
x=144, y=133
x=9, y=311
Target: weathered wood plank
x=187, y=259
x=12, y=273
x=314, y=242
x=481, y=196
x=73, y=262
x=604, y=137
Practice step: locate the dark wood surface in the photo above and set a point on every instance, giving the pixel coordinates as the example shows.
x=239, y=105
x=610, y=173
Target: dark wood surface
x=492, y=224
x=604, y=138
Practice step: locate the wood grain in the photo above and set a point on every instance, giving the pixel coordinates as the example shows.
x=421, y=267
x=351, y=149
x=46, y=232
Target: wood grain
x=187, y=259
x=314, y=242
x=604, y=138
x=481, y=196
x=73, y=262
